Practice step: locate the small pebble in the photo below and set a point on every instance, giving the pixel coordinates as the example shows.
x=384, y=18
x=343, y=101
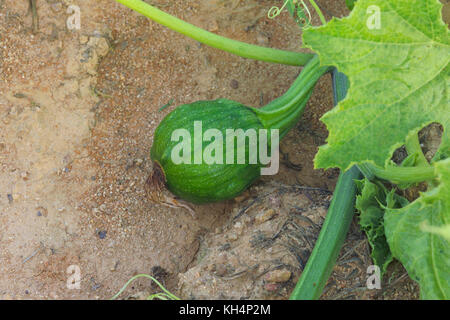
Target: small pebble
x=225, y=246
x=41, y=211
x=130, y=163
x=234, y=84
x=221, y=270
x=232, y=236
x=212, y=26
x=102, y=234
x=265, y=216
x=10, y=198
x=19, y=95
x=271, y=286
x=114, y=268
x=239, y=228
x=84, y=39
x=56, y=7
x=138, y=162
x=262, y=39
x=278, y=276
x=96, y=286
x=222, y=258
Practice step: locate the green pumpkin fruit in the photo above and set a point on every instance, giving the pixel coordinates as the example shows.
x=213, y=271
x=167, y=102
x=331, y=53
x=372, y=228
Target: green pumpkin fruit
x=198, y=179
x=201, y=183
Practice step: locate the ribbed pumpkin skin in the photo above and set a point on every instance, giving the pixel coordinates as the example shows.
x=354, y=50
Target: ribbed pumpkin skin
x=203, y=183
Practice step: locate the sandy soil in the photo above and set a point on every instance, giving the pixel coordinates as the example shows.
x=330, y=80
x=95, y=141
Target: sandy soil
x=78, y=109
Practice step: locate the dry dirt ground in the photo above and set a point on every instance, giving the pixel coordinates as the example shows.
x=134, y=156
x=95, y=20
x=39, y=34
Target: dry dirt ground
x=78, y=109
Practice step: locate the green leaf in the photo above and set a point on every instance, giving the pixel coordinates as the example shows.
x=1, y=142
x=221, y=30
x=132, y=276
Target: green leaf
x=399, y=78
x=371, y=203
x=425, y=255
x=371, y=221
x=443, y=231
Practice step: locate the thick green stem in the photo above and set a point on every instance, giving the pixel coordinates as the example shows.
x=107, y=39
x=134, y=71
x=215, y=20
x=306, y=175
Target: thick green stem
x=365, y=170
x=331, y=237
x=422, y=171
x=283, y=112
x=239, y=48
x=336, y=224
x=287, y=121
x=399, y=175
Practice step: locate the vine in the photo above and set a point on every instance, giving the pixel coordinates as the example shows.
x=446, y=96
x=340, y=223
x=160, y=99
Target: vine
x=299, y=11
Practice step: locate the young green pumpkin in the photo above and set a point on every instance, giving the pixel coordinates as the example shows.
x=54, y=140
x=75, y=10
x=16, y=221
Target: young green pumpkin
x=202, y=182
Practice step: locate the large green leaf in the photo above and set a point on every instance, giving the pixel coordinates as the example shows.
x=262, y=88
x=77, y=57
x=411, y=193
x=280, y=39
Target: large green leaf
x=425, y=255
x=371, y=203
x=399, y=78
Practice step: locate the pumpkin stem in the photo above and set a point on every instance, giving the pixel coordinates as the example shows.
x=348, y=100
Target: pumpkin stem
x=283, y=113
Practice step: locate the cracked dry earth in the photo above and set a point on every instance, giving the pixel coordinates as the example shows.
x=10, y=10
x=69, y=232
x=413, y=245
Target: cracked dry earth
x=78, y=109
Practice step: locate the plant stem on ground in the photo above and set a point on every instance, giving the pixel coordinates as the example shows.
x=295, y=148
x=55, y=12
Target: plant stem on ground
x=239, y=48
x=335, y=227
x=331, y=238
